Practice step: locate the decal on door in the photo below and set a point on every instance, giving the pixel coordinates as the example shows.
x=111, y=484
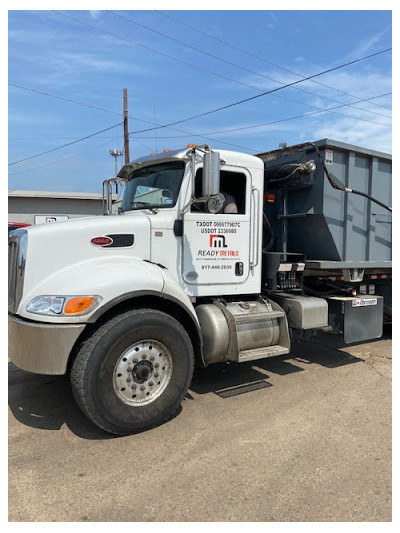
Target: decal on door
x=216, y=251
x=218, y=248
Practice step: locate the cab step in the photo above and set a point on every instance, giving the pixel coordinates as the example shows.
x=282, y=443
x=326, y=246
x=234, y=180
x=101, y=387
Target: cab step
x=261, y=353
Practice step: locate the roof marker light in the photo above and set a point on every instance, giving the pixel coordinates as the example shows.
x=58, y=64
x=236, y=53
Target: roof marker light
x=269, y=198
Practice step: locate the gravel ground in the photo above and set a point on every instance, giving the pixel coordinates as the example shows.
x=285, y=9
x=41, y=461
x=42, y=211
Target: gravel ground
x=310, y=443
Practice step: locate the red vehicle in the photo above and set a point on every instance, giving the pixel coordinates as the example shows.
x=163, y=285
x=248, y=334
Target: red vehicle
x=16, y=225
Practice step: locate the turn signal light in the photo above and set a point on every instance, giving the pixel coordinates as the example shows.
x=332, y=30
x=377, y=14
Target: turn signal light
x=78, y=305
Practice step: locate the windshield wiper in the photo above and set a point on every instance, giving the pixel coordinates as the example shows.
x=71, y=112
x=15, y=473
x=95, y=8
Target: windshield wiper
x=147, y=205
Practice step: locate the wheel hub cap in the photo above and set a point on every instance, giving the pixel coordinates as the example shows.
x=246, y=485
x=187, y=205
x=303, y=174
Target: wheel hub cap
x=142, y=372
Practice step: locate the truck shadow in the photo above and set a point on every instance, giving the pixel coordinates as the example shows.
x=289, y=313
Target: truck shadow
x=229, y=378
x=46, y=402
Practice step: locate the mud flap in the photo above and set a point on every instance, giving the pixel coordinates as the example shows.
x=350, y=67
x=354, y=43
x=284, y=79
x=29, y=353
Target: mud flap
x=356, y=318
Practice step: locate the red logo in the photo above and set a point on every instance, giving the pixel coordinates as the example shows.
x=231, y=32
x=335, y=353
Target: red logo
x=217, y=241
x=102, y=241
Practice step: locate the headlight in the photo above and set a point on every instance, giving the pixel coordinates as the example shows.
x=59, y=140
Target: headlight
x=62, y=305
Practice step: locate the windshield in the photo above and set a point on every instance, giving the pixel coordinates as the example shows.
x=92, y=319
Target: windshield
x=153, y=186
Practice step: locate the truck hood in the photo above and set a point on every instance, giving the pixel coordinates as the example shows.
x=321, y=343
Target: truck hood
x=58, y=246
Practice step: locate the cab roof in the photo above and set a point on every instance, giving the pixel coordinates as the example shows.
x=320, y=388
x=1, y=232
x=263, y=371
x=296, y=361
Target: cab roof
x=227, y=156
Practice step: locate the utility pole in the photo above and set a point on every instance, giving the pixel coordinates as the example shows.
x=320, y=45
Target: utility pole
x=126, y=134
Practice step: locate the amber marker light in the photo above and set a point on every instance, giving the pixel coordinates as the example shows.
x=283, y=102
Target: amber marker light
x=191, y=146
x=167, y=150
x=78, y=304
x=269, y=197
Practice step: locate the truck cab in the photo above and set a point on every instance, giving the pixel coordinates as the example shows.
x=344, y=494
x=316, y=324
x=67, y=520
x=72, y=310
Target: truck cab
x=129, y=303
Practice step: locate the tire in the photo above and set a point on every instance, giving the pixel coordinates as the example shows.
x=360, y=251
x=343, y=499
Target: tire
x=133, y=372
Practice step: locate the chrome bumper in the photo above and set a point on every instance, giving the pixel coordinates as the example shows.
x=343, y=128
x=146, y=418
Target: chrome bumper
x=41, y=348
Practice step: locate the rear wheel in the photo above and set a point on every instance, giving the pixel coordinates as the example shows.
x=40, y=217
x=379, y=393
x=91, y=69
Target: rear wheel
x=133, y=372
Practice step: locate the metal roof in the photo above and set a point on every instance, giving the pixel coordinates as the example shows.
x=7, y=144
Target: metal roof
x=55, y=194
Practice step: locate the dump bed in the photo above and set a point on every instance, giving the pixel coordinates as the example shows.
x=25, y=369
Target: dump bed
x=326, y=224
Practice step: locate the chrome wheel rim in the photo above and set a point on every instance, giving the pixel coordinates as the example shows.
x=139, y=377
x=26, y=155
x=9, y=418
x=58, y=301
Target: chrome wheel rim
x=142, y=373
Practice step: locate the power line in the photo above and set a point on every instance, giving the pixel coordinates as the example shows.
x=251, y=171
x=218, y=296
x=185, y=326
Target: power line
x=205, y=135
x=328, y=110
x=59, y=160
x=197, y=135
x=106, y=110
x=76, y=102
x=257, y=56
x=41, y=139
x=197, y=116
x=36, y=91
x=194, y=135
x=120, y=114
x=237, y=66
x=194, y=66
x=270, y=91
x=151, y=49
x=186, y=133
x=63, y=98
x=214, y=73
x=64, y=145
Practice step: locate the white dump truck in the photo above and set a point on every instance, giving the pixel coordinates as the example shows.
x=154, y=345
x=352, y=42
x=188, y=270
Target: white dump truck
x=195, y=269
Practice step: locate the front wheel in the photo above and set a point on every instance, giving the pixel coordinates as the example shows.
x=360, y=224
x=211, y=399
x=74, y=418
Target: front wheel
x=133, y=372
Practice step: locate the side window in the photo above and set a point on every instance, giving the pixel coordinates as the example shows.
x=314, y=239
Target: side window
x=232, y=186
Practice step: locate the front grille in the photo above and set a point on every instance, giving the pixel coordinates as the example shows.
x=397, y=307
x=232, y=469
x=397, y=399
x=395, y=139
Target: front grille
x=17, y=245
x=12, y=271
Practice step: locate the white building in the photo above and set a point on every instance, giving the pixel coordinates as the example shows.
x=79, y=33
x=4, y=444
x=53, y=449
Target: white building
x=37, y=207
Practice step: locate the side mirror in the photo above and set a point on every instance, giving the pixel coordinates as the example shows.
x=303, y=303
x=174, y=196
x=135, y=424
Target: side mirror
x=107, y=197
x=210, y=173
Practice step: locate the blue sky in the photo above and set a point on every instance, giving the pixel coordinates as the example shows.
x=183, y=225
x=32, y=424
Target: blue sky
x=83, y=68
